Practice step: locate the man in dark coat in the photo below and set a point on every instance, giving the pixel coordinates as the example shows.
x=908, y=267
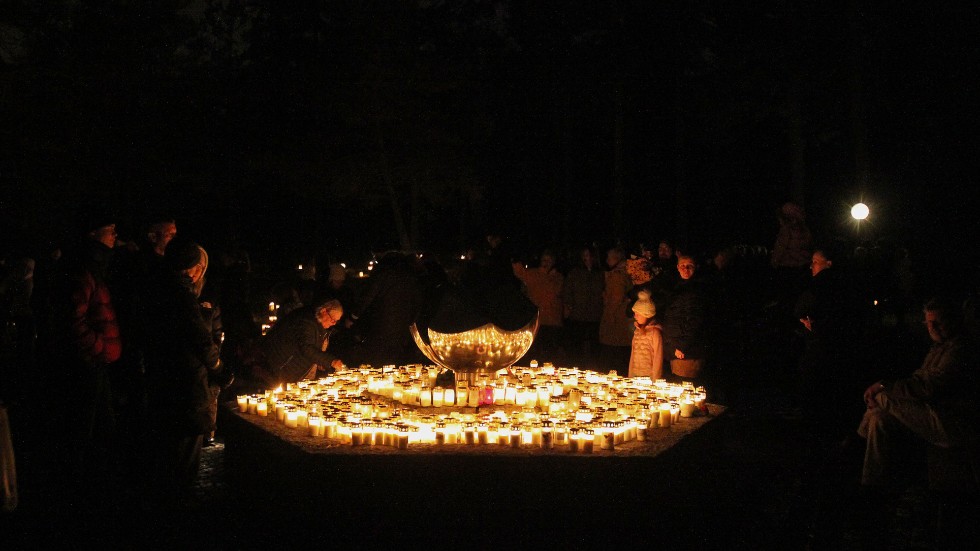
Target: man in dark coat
x=686, y=324
x=180, y=354
x=296, y=347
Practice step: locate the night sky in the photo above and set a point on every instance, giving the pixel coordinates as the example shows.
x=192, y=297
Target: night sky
x=295, y=128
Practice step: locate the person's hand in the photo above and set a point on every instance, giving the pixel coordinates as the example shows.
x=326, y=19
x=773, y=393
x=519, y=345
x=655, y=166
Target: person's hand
x=807, y=323
x=678, y=354
x=871, y=392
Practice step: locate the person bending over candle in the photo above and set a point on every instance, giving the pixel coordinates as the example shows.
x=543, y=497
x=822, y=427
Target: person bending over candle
x=296, y=347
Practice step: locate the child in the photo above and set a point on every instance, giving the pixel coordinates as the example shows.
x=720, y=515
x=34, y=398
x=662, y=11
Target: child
x=647, y=356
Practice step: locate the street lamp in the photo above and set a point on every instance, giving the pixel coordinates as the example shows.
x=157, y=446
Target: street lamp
x=860, y=211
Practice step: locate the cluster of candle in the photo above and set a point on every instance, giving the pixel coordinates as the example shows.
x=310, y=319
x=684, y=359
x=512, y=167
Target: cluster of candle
x=272, y=316
x=522, y=407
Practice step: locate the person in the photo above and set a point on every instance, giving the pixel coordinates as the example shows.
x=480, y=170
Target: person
x=828, y=369
x=383, y=314
x=296, y=347
x=88, y=347
x=790, y=256
x=935, y=405
x=685, y=325
x=180, y=356
x=582, y=300
x=543, y=286
x=615, y=335
x=218, y=378
x=647, y=356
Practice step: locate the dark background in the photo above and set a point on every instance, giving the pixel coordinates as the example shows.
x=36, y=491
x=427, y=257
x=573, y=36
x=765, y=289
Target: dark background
x=345, y=127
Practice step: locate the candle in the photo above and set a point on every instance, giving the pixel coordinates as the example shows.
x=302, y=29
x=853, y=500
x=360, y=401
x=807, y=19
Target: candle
x=515, y=437
x=503, y=436
x=253, y=404
x=330, y=427
x=574, y=443
x=440, y=434
x=291, y=417
x=663, y=421
x=510, y=395
x=469, y=435
x=403, y=437
x=607, y=437
x=499, y=394
x=547, y=436
x=438, y=395
x=314, y=423
x=425, y=397
x=482, y=435
x=675, y=412
x=449, y=397
x=262, y=409
x=243, y=403
x=688, y=408
x=588, y=441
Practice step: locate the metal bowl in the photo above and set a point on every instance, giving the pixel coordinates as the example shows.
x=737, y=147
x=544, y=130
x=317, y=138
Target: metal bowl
x=484, y=349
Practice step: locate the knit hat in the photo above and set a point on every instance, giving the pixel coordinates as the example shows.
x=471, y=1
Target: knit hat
x=644, y=306
x=182, y=254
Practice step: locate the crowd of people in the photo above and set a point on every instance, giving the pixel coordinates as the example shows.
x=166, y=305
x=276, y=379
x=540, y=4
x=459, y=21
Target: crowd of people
x=125, y=349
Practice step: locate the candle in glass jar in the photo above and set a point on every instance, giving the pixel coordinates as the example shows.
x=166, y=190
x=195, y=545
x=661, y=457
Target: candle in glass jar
x=588, y=441
x=314, y=424
x=515, y=437
x=262, y=409
x=663, y=421
x=574, y=442
x=547, y=436
x=449, y=397
x=253, y=404
x=482, y=435
x=438, y=394
x=243, y=403
x=291, y=417
x=425, y=397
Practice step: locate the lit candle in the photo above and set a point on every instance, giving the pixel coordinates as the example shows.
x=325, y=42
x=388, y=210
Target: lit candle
x=675, y=412
x=253, y=405
x=588, y=441
x=510, y=395
x=262, y=409
x=440, y=433
x=315, y=426
x=498, y=395
x=574, y=442
x=515, y=437
x=482, y=435
x=688, y=408
x=356, y=435
x=543, y=396
x=607, y=436
x=425, y=397
x=473, y=398
x=503, y=436
x=469, y=435
x=547, y=436
x=291, y=417
x=243, y=403
x=449, y=397
x=438, y=395
x=663, y=421
x=403, y=437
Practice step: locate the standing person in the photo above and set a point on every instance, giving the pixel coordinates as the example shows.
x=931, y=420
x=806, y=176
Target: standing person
x=791, y=255
x=388, y=307
x=543, y=286
x=221, y=377
x=647, y=356
x=89, y=346
x=615, y=335
x=180, y=353
x=829, y=370
x=582, y=300
x=685, y=324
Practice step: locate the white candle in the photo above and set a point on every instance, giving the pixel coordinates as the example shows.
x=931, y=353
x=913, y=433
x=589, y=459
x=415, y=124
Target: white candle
x=688, y=408
x=588, y=441
x=253, y=405
x=473, y=398
x=314, y=424
x=575, y=442
x=291, y=417
x=262, y=409
x=243, y=403
x=438, y=395
x=425, y=397
x=449, y=397
x=663, y=421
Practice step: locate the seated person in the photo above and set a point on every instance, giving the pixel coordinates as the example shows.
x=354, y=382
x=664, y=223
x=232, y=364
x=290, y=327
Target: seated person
x=935, y=405
x=296, y=347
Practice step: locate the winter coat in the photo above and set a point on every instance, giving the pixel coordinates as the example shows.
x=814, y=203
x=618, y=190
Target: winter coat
x=544, y=290
x=87, y=312
x=647, y=357
x=685, y=324
x=582, y=294
x=295, y=344
x=614, y=328
x=179, y=354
